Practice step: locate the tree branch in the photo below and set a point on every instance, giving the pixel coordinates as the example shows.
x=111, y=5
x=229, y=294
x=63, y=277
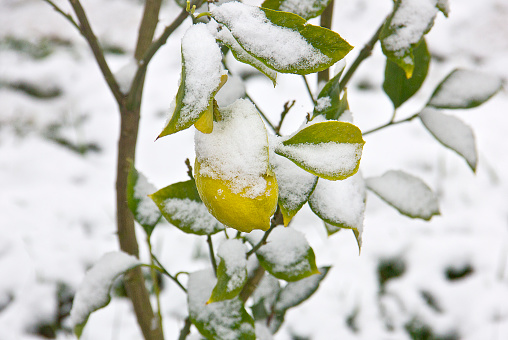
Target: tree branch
x=390, y=123
x=326, y=21
x=212, y=254
x=66, y=15
x=87, y=32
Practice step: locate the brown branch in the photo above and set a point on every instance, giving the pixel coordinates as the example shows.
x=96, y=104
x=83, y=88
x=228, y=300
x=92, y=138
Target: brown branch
x=65, y=15
x=87, y=33
x=287, y=106
x=252, y=283
x=147, y=27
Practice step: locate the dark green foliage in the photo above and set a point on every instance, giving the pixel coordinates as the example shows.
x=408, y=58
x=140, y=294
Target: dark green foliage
x=431, y=301
x=417, y=330
x=457, y=273
x=389, y=269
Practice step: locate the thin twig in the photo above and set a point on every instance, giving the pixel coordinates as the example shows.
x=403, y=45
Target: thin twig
x=391, y=123
x=276, y=220
x=308, y=89
x=260, y=112
x=287, y=107
x=66, y=15
x=156, y=287
x=185, y=330
x=189, y=168
x=326, y=21
x=168, y=274
x=212, y=254
x=87, y=32
x=364, y=54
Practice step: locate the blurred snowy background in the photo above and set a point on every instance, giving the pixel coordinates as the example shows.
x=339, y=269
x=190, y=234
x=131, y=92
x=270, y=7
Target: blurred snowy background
x=445, y=279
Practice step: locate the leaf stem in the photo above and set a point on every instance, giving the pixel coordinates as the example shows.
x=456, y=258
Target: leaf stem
x=212, y=254
x=185, y=330
x=155, y=281
x=364, y=54
x=164, y=271
x=308, y=89
x=390, y=123
x=260, y=112
x=287, y=107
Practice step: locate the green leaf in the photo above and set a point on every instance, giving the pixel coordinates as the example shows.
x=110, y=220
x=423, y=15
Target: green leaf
x=397, y=86
x=287, y=255
x=282, y=41
x=331, y=150
x=452, y=133
x=202, y=77
x=219, y=320
x=224, y=37
x=307, y=9
x=264, y=297
x=401, y=35
x=329, y=103
x=142, y=207
x=94, y=291
x=294, y=293
x=231, y=271
x=295, y=186
x=464, y=89
x=406, y=193
x=181, y=205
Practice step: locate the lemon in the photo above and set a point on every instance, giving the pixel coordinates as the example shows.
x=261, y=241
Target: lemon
x=236, y=209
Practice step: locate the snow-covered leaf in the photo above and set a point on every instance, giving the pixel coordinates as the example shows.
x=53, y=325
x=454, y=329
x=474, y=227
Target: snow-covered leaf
x=219, y=320
x=295, y=186
x=224, y=36
x=181, y=205
x=287, y=254
x=93, y=293
x=397, y=86
x=232, y=170
x=340, y=203
x=144, y=210
x=282, y=41
x=202, y=76
x=307, y=9
x=406, y=193
x=264, y=297
x=330, y=149
x=295, y=293
x=452, y=133
x=405, y=28
x=463, y=89
x=329, y=103
x=231, y=271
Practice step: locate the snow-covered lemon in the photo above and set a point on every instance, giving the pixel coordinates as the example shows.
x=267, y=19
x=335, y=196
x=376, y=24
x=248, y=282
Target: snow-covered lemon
x=232, y=169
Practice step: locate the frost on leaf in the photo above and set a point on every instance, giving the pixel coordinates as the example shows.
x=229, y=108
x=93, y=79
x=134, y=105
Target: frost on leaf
x=231, y=271
x=219, y=320
x=143, y=208
x=282, y=41
x=93, y=293
x=463, y=89
x=232, y=169
x=406, y=193
x=331, y=150
x=202, y=76
x=295, y=185
x=410, y=21
x=181, y=206
x=287, y=254
x=307, y=9
x=340, y=203
x=452, y=133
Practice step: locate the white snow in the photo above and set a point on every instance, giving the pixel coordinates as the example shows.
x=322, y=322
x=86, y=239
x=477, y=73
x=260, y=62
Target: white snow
x=406, y=192
x=282, y=47
x=464, y=87
x=237, y=149
x=232, y=252
x=231, y=91
x=295, y=292
x=93, y=293
x=191, y=214
x=452, y=132
x=125, y=75
x=323, y=103
x=147, y=211
x=303, y=8
x=341, y=202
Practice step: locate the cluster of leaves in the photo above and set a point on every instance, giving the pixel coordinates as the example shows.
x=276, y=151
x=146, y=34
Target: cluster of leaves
x=317, y=164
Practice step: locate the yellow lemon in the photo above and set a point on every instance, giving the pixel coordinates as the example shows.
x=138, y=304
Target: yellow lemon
x=237, y=210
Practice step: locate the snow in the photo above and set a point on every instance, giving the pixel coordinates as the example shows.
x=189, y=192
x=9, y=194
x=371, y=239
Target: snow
x=93, y=292
x=323, y=103
x=237, y=149
x=231, y=91
x=410, y=22
x=282, y=47
x=302, y=8
x=464, y=87
x=232, y=252
x=125, y=75
x=452, y=132
x=296, y=292
x=407, y=193
x=191, y=214
x=146, y=211
x=340, y=202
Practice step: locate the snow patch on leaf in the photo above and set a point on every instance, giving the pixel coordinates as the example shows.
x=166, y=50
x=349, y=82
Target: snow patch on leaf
x=232, y=252
x=147, y=212
x=191, y=214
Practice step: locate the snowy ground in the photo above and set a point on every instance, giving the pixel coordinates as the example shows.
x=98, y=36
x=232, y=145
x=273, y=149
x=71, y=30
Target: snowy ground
x=57, y=205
